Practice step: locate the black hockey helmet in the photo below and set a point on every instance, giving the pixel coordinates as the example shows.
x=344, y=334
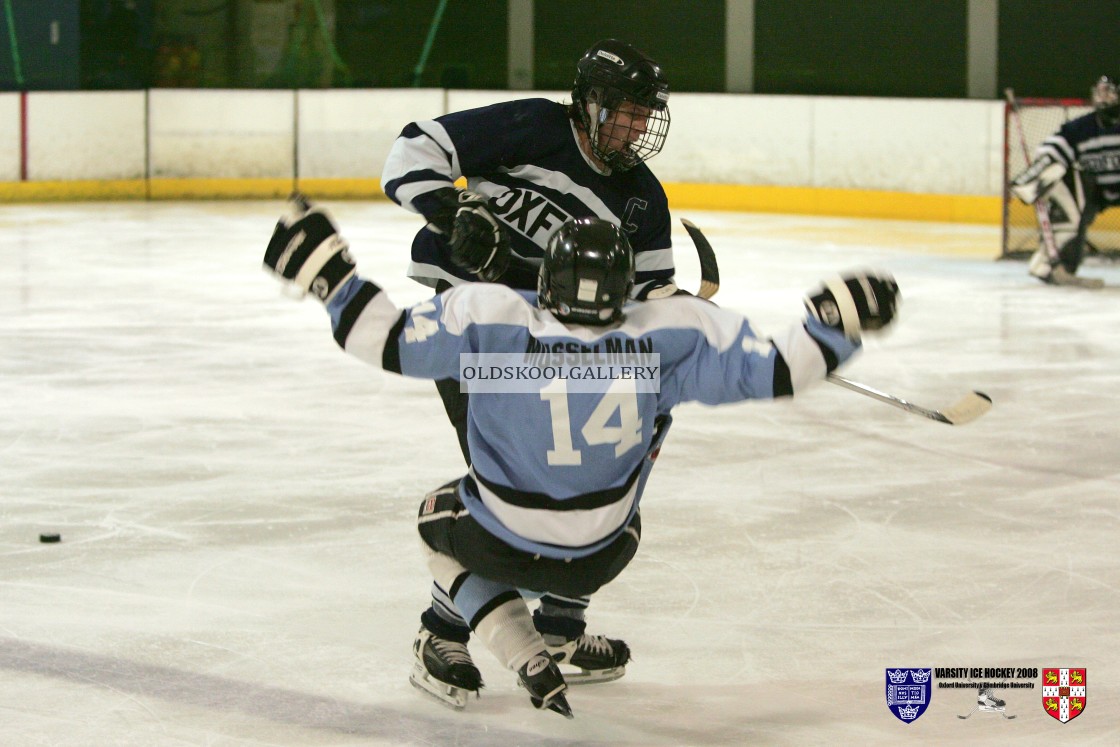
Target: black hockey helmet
x=1106, y=101
x=587, y=273
x=609, y=74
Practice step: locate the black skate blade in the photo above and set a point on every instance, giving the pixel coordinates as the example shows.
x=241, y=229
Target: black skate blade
x=558, y=704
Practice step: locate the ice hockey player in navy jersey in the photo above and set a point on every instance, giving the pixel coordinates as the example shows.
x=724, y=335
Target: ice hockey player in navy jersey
x=530, y=165
x=1077, y=170
x=550, y=502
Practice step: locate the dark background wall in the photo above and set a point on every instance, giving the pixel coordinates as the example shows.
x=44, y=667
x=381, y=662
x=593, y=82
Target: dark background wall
x=685, y=36
x=911, y=48
x=47, y=53
x=864, y=48
x=1057, y=48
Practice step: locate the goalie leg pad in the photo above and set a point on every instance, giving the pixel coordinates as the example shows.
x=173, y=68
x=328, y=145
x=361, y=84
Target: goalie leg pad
x=1065, y=213
x=1065, y=216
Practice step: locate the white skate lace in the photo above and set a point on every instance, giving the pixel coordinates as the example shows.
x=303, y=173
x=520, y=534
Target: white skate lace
x=597, y=644
x=452, y=652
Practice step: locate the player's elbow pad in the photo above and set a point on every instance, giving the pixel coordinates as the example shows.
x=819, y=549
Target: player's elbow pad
x=1037, y=180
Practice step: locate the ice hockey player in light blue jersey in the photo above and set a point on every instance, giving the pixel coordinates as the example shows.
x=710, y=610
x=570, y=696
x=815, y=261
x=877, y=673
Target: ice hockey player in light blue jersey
x=529, y=166
x=551, y=501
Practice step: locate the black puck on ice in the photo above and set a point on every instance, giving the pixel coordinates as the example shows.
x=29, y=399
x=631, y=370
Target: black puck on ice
x=51, y=537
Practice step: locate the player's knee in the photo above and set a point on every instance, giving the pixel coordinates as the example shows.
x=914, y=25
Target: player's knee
x=436, y=520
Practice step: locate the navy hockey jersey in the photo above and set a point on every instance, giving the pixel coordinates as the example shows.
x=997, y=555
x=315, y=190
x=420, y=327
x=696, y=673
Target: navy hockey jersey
x=1083, y=144
x=556, y=471
x=524, y=155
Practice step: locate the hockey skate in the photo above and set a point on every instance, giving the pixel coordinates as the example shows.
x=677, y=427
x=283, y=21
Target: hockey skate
x=444, y=670
x=598, y=658
x=988, y=702
x=546, y=686
x=1041, y=268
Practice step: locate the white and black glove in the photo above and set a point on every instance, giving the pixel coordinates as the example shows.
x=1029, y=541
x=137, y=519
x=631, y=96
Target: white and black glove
x=307, y=250
x=856, y=302
x=1037, y=179
x=479, y=242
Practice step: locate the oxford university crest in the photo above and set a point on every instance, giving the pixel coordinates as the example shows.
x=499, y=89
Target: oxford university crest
x=908, y=692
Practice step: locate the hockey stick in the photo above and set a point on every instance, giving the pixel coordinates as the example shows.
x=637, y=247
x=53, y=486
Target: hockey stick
x=1041, y=207
x=977, y=710
x=965, y=410
x=968, y=408
x=709, y=267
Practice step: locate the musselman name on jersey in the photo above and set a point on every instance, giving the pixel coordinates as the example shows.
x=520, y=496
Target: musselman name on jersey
x=630, y=350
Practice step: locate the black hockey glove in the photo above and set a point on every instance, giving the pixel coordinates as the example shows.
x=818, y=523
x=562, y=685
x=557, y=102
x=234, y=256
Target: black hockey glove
x=307, y=250
x=478, y=240
x=855, y=302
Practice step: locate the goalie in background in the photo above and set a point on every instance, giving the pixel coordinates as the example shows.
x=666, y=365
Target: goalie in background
x=1077, y=171
x=550, y=503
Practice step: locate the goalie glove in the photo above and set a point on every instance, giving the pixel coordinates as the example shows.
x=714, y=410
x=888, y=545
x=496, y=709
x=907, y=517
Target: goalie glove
x=1036, y=181
x=307, y=250
x=856, y=302
x=479, y=243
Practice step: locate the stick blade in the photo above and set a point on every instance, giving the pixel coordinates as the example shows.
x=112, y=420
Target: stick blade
x=709, y=267
x=970, y=407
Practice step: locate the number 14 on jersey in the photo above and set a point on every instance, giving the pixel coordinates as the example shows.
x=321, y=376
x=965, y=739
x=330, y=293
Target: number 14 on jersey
x=621, y=397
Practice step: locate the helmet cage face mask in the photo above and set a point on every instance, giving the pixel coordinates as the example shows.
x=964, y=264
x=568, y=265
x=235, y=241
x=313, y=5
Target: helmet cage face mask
x=625, y=132
x=587, y=274
x=623, y=103
x=1106, y=101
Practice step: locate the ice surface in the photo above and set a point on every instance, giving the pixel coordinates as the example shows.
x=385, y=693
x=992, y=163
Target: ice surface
x=236, y=499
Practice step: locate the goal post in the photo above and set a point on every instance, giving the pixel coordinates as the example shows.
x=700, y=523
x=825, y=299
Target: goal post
x=1040, y=118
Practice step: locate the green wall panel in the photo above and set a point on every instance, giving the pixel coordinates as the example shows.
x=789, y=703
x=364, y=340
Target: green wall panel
x=382, y=42
x=1051, y=48
x=685, y=37
x=861, y=48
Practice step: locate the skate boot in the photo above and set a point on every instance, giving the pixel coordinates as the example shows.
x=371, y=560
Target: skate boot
x=546, y=686
x=444, y=669
x=987, y=701
x=598, y=658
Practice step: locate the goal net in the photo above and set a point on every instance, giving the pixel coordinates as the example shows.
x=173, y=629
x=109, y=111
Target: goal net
x=1040, y=119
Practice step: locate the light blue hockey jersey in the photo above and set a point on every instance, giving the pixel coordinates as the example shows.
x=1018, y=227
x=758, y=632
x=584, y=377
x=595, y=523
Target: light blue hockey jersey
x=559, y=472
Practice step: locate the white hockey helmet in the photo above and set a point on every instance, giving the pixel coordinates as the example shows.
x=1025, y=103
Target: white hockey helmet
x=1106, y=101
